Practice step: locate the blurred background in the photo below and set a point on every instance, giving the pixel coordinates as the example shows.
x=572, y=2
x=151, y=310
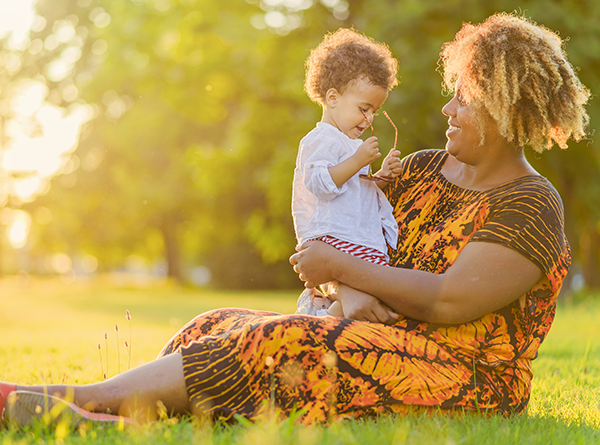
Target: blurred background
x=157, y=138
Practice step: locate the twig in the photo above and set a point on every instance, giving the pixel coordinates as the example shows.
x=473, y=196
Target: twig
x=101, y=364
x=128, y=318
x=106, y=340
x=118, y=350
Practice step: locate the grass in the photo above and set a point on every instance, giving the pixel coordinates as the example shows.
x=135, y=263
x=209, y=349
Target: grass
x=49, y=333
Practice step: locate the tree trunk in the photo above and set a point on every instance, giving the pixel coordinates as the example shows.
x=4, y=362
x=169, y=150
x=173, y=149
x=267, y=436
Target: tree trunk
x=172, y=250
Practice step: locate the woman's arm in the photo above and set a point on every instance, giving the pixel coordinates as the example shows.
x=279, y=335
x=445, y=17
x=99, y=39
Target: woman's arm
x=484, y=278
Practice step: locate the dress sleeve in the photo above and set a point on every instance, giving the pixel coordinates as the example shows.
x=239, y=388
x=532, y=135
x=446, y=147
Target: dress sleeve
x=530, y=220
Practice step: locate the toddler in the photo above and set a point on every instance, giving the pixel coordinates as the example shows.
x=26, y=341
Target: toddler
x=334, y=198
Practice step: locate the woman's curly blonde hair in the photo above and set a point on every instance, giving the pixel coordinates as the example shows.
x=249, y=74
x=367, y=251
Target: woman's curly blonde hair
x=346, y=56
x=517, y=72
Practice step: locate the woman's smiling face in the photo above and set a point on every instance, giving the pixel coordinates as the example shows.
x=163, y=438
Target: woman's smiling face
x=462, y=132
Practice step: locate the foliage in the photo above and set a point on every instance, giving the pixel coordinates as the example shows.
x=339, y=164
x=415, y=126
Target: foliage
x=17, y=67
x=199, y=110
x=51, y=331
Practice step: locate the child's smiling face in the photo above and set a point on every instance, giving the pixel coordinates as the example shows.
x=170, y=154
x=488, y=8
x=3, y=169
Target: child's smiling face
x=343, y=111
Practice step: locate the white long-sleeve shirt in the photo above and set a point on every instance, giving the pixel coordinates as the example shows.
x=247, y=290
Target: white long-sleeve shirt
x=358, y=212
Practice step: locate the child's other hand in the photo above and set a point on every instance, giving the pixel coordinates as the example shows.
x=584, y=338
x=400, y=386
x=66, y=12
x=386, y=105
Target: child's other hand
x=391, y=165
x=368, y=151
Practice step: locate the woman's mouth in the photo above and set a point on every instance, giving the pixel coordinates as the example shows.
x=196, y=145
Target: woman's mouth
x=452, y=129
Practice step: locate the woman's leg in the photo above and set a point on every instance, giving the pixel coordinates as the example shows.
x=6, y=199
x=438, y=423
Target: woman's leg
x=135, y=393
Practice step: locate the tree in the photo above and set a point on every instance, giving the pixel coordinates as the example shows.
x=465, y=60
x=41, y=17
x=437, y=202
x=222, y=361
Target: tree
x=168, y=165
x=15, y=73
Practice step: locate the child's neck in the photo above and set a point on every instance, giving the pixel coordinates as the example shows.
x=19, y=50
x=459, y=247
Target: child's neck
x=327, y=118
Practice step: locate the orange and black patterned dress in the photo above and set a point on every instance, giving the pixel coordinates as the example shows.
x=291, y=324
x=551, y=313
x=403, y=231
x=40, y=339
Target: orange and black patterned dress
x=239, y=361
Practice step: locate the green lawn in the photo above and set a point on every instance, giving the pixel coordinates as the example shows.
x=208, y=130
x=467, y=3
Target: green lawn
x=50, y=333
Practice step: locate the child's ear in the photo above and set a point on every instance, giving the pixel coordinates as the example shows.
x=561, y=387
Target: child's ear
x=331, y=97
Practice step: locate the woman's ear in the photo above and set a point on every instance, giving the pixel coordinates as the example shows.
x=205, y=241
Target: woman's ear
x=331, y=97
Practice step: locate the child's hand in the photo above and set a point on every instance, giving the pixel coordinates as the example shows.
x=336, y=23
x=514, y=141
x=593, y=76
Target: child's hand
x=391, y=165
x=367, y=152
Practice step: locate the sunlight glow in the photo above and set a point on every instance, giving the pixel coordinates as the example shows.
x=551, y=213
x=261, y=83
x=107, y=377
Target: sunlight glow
x=18, y=229
x=40, y=136
x=44, y=155
x=16, y=17
x=89, y=264
x=61, y=262
x=26, y=188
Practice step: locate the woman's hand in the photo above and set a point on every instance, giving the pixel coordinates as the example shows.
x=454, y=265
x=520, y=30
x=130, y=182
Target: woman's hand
x=361, y=306
x=313, y=263
x=391, y=166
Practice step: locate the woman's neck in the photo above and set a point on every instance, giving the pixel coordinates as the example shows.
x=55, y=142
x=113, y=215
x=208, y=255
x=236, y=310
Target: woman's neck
x=491, y=169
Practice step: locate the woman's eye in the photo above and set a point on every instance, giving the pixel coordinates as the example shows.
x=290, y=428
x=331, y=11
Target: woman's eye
x=460, y=99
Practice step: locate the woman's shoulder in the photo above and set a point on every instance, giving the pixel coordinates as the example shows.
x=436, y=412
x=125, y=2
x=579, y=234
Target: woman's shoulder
x=527, y=211
x=534, y=192
x=527, y=215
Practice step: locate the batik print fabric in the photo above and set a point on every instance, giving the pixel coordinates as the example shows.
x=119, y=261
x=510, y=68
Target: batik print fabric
x=239, y=361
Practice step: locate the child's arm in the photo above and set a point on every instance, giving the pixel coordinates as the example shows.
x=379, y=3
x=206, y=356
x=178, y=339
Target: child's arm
x=391, y=167
x=367, y=152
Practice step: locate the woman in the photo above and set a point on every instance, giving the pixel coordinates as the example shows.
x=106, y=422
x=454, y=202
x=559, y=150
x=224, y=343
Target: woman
x=480, y=261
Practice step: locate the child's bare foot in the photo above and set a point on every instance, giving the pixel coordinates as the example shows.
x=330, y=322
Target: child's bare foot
x=312, y=302
x=336, y=310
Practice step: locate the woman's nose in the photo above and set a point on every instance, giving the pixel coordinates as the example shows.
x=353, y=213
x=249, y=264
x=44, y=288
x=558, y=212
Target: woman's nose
x=449, y=109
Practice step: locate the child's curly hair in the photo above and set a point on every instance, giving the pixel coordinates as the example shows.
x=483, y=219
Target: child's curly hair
x=517, y=73
x=345, y=56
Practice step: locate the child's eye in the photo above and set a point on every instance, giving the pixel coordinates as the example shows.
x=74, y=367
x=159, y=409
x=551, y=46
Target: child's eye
x=364, y=111
x=460, y=99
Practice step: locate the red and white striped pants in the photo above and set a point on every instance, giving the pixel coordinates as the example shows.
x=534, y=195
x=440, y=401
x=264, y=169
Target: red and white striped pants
x=362, y=252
